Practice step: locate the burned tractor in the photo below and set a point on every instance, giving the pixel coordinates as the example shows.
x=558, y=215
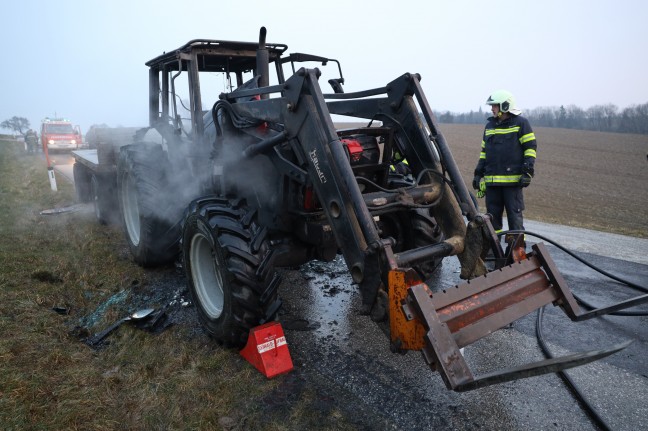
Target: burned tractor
x=261, y=179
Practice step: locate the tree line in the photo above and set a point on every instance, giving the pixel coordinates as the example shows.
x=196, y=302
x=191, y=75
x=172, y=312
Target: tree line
x=600, y=118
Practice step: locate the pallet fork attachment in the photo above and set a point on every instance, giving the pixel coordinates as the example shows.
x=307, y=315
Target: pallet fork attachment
x=440, y=323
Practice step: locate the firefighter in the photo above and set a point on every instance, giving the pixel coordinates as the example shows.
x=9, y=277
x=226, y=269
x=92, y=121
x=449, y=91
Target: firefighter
x=506, y=162
x=400, y=165
x=31, y=141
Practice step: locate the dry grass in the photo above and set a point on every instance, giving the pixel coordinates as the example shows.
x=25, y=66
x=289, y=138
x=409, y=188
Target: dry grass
x=177, y=379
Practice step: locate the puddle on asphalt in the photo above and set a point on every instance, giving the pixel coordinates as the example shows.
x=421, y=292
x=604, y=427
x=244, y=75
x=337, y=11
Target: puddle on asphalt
x=329, y=296
x=323, y=298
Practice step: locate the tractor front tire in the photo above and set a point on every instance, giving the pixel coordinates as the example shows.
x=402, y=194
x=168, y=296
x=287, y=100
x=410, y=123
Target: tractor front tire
x=413, y=229
x=229, y=269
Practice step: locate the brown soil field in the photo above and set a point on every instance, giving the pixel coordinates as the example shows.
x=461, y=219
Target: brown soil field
x=587, y=179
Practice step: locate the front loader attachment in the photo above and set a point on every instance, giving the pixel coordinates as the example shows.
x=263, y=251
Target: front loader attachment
x=306, y=151
x=440, y=323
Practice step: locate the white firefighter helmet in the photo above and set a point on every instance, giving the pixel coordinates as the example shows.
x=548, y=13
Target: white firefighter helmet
x=505, y=100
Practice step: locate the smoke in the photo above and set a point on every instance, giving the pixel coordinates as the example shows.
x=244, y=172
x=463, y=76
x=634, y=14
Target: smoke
x=215, y=167
x=253, y=178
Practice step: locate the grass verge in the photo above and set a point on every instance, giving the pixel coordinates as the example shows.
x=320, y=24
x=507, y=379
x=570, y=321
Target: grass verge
x=175, y=379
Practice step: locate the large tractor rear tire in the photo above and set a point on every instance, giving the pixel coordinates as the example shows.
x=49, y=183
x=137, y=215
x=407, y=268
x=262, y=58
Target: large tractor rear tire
x=150, y=214
x=81, y=176
x=229, y=269
x=102, y=191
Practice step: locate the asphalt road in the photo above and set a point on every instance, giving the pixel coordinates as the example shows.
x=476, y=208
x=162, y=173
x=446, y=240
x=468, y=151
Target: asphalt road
x=347, y=357
x=348, y=354
x=62, y=163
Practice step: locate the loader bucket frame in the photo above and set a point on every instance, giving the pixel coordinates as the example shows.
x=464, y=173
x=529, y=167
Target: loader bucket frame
x=440, y=323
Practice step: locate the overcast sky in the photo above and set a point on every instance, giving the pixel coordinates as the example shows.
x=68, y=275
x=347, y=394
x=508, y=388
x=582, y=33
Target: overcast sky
x=85, y=59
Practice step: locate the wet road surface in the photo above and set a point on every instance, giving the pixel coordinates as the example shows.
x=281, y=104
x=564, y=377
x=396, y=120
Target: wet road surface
x=348, y=355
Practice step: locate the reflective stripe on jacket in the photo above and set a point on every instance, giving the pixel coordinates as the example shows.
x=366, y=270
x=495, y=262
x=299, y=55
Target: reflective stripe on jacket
x=506, y=147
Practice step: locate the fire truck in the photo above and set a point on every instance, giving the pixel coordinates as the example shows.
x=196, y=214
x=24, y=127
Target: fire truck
x=60, y=134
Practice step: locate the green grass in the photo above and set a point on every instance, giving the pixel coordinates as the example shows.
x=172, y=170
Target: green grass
x=50, y=379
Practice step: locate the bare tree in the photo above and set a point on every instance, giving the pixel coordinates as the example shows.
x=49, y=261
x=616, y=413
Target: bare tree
x=595, y=115
x=542, y=116
x=561, y=117
x=16, y=124
x=610, y=114
x=641, y=115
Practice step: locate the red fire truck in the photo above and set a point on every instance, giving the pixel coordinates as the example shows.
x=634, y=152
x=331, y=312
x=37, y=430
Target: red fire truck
x=60, y=134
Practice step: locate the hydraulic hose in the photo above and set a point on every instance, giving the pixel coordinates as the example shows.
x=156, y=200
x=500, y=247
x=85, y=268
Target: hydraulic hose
x=612, y=309
x=580, y=259
x=591, y=411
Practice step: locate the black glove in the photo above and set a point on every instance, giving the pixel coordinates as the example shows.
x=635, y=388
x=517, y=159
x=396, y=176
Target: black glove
x=476, y=181
x=525, y=180
x=527, y=174
x=403, y=169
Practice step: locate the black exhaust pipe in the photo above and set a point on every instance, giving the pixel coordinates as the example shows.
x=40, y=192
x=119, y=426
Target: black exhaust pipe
x=263, y=62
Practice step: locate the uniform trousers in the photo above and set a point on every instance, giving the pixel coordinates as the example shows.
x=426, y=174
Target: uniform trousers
x=499, y=198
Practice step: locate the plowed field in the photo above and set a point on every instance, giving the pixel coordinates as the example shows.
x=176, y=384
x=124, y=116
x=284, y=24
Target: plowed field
x=588, y=179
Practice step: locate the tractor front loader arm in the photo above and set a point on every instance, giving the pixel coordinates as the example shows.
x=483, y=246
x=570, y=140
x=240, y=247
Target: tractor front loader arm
x=441, y=323
x=436, y=323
